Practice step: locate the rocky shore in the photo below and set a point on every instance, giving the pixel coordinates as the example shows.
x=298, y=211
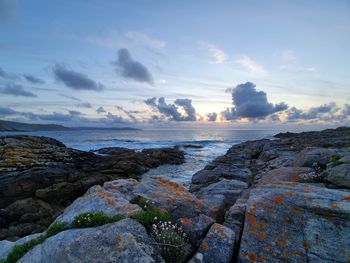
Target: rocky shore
x=281, y=200
x=40, y=176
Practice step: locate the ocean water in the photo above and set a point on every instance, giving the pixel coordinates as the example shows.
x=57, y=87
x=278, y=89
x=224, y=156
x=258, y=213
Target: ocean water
x=214, y=143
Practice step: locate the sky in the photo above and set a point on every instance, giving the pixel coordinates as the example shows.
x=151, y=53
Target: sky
x=142, y=63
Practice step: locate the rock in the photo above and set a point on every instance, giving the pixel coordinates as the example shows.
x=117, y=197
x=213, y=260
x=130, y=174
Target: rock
x=311, y=155
x=7, y=246
x=45, y=170
x=339, y=175
x=98, y=199
x=217, y=246
x=196, y=227
x=170, y=196
x=296, y=222
x=283, y=174
x=117, y=242
x=234, y=217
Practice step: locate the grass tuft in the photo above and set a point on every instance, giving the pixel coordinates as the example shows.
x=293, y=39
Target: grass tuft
x=94, y=219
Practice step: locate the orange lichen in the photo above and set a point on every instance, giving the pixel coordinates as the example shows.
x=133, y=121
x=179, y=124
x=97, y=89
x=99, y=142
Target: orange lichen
x=263, y=258
x=97, y=202
x=217, y=228
x=279, y=200
x=102, y=195
x=334, y=206
x=109, y=194
x=110, y=201
x=100, y=190
x=290, y=193
x=117, y=237
x=205, y=247
x=282, y=243
x=346, y=198
x=308, y=200
x=173, y=201
x=185, y=221
x=252, y=256
x=261, y=236
x=306, y=245
x=222, y=234
x=296, y=211
x=251, y=219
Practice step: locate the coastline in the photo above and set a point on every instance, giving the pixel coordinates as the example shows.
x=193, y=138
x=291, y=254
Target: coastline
x=240, y=201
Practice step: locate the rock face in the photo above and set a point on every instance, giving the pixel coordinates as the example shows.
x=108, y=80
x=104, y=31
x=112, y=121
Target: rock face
x=39, y=176
x=276, y=211
x=117, y=242
x=297, y=222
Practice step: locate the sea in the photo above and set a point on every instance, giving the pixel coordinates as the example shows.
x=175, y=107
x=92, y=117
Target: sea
x=213, y=143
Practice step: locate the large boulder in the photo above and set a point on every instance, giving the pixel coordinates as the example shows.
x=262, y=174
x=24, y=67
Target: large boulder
x=311, y=155
x=296, y=222
x=124, y=241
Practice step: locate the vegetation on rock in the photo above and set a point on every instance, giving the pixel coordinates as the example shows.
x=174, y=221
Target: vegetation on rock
x=94, y=219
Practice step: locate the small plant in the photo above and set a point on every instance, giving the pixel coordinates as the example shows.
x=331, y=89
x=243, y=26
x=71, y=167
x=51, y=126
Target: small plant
x=150, y=214
x=55, y=229
x=313, y=176
x=18, y=251
x=335, y=160
x=172, y=241
x=94, y=219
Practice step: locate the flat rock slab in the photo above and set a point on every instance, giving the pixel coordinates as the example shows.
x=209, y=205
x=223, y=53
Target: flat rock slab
x=296, y=222
x=217, y=246
x=124, y=241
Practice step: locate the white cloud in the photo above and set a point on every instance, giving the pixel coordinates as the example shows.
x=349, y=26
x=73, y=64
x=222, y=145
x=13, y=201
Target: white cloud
x=218, y=54
x=250, y=65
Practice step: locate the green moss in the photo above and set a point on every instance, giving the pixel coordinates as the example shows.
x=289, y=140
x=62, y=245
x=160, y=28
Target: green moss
x=55, y=228
x=18, y=251
x=94, y=219
x=150, y=215
x=335, y=160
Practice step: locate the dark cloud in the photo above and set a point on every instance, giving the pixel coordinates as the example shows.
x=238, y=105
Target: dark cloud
x=8, y=10
x=113, y=119
x=212, y=116
x=250, y=103
x=4, y=74
x=69, y=97
x=32, y=79
x=75, y=80
x=100, y=110
x=16, y=90
x=324, y=112
x=171, y=110
x=84, y=105
x=132, y=69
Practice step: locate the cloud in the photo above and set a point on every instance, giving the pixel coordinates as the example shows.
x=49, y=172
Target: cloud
x=250, y=103
x=171, y=110
x=75, y=80
x=32, y=79
x=100, y=110
x=288, y=55
x=132, y=69
x=84, y=105
x=323, y=112
x=8, y=10
x=218, y=54
x=250, y=65
x=140, y=39
x=17, y=90
x=292, y=68
x=129, y=113
x=212, y=116
x=5, y=111
x=5, y=75
x=69, y=97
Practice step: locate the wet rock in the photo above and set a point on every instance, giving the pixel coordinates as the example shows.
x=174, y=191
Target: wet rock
x=295, y=221
x=196, y=227
x=217, y=246
x=117, y=242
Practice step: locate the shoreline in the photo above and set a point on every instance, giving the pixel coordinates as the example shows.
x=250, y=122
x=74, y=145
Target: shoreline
x=246, y=196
